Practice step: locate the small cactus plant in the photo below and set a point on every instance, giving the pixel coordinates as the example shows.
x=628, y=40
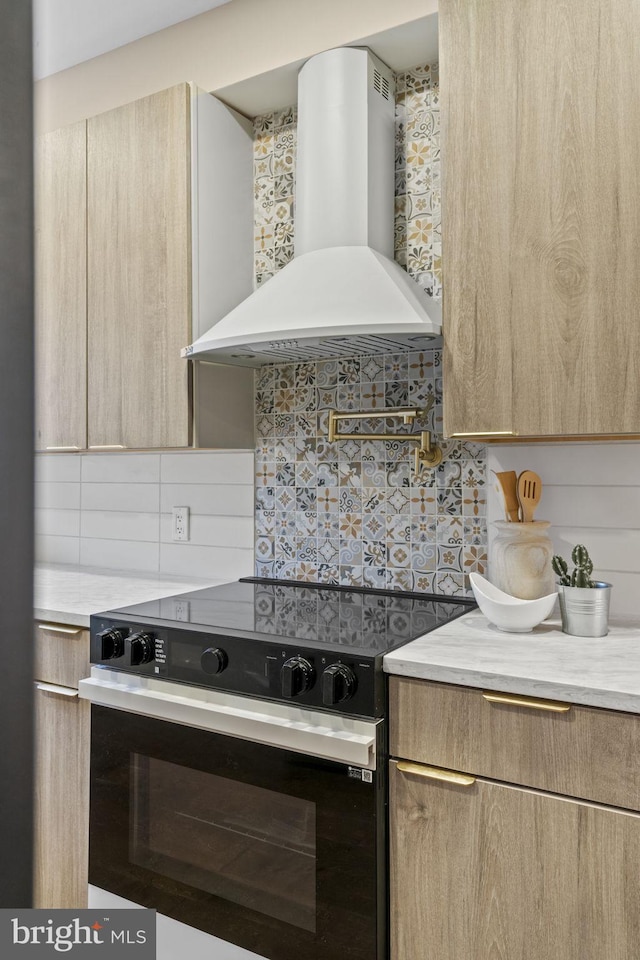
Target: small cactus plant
x=581, y=576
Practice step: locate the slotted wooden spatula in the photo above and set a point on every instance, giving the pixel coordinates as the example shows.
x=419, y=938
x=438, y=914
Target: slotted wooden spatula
x=508, y=484
x=529, y=493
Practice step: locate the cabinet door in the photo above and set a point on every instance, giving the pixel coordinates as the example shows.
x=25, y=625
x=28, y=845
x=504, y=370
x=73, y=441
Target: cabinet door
x=62, y=798
x=139, y=277
x=490, y=870
x=541, y=216
x=60, y=289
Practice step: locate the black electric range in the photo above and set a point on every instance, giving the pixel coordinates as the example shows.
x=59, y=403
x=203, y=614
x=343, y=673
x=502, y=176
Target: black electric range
x=318, y=646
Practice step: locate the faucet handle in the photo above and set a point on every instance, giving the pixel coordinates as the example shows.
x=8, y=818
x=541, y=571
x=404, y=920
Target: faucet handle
x=426, y=410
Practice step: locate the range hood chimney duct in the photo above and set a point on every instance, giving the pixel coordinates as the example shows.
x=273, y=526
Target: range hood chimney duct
x=342, y=294
x=345, y=153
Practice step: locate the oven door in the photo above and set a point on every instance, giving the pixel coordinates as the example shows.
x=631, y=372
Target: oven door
x=274, y=850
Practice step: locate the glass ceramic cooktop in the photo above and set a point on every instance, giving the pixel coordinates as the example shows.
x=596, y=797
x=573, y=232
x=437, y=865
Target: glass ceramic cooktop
x=372, y=621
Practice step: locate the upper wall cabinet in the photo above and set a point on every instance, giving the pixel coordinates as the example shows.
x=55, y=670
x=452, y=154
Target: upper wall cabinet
x=138, y=276
x=541, y=217
x=61, y=301
x=169, y=227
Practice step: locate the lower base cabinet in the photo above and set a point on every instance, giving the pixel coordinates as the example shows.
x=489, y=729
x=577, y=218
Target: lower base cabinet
x=62, y=742
x=485, y=869
x=488, y=871
x=62, y=797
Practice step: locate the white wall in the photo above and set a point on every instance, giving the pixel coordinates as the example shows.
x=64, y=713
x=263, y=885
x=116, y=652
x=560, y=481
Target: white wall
x=224, y=46
x=114, y=511
x=591, y=495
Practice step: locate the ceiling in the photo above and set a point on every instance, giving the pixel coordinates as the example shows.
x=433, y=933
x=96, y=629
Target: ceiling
x=67, y=32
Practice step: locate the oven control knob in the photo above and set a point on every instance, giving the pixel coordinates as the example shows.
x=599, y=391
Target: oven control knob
x=111, y=643
x=214, y=660
x=297, y=675
x=139, y=649
x=338, y=684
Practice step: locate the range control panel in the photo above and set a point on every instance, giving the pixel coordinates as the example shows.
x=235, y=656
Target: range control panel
x=259, y=668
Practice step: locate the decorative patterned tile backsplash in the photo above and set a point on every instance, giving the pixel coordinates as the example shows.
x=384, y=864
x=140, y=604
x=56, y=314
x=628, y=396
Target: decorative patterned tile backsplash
x=274, y=170
x=418, y=240
x=352, y=512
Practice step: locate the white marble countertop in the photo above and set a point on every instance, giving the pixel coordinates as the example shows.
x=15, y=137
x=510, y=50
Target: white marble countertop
x=546, y=663
x=70, y=594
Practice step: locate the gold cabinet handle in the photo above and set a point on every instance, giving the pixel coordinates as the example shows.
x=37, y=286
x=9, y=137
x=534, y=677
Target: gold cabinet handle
x=57, y=690
x=54, y=628
x=436, y=773
x=514, y=700
x=487, y=433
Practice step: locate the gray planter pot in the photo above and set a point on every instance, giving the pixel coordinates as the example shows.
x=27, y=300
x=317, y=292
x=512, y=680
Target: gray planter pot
x=585, y=610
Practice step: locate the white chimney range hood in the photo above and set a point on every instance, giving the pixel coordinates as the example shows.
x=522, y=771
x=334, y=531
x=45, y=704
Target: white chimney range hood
x=342, y=294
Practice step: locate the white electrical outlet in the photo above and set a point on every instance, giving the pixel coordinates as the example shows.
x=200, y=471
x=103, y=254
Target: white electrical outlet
x=180, y=523
x=181, y=610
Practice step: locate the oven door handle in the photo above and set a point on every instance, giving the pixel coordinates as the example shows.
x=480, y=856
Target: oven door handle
x=331, y=737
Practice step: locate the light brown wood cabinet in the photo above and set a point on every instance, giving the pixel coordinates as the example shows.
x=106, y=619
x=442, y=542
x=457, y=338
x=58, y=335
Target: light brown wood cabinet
x=138, y=276
x=61, y=301
x=145, y=240
x=62, y=768
x=484, y=866
x=541, y=217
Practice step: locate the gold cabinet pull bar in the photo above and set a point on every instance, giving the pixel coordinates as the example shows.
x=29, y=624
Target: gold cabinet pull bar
x=54, y=628
x=436, y=773
x=487, y=433
x=515, y=700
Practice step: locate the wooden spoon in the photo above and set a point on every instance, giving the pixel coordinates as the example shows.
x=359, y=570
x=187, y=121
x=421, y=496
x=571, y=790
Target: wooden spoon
x=508, y=484
x=529, y=493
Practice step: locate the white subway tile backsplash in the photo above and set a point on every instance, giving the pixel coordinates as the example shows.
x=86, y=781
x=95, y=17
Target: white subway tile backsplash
x=125, y=497
x=221, y=563
x=573, y=464
x=625, y=593
x=119, y=554
x=121, y=468
x=609, y=549
x=590, y=495
x=104, y=510
x=221, y=531
x=208, y=499
x=598, y=506
x=228, y=466
x=63, y=468
x=111, y=525
x=57, y=523
x=53, y=495
x=57, y=549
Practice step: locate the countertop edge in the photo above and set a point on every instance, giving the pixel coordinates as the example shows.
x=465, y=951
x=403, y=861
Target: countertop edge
x=547, y=664
x=66, y=617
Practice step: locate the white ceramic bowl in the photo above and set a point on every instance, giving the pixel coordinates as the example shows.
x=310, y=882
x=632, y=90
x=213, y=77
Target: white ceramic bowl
x=510, y=613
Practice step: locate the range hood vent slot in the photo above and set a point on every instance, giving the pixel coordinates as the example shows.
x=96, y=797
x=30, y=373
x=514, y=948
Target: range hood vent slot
x=381, y=84
x=302, y=351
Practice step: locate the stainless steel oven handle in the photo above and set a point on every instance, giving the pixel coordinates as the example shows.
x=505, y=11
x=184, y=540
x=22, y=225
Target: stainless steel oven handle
x=344, y=739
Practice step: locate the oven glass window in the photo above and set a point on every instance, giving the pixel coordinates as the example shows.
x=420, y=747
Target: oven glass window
x=253, y=846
